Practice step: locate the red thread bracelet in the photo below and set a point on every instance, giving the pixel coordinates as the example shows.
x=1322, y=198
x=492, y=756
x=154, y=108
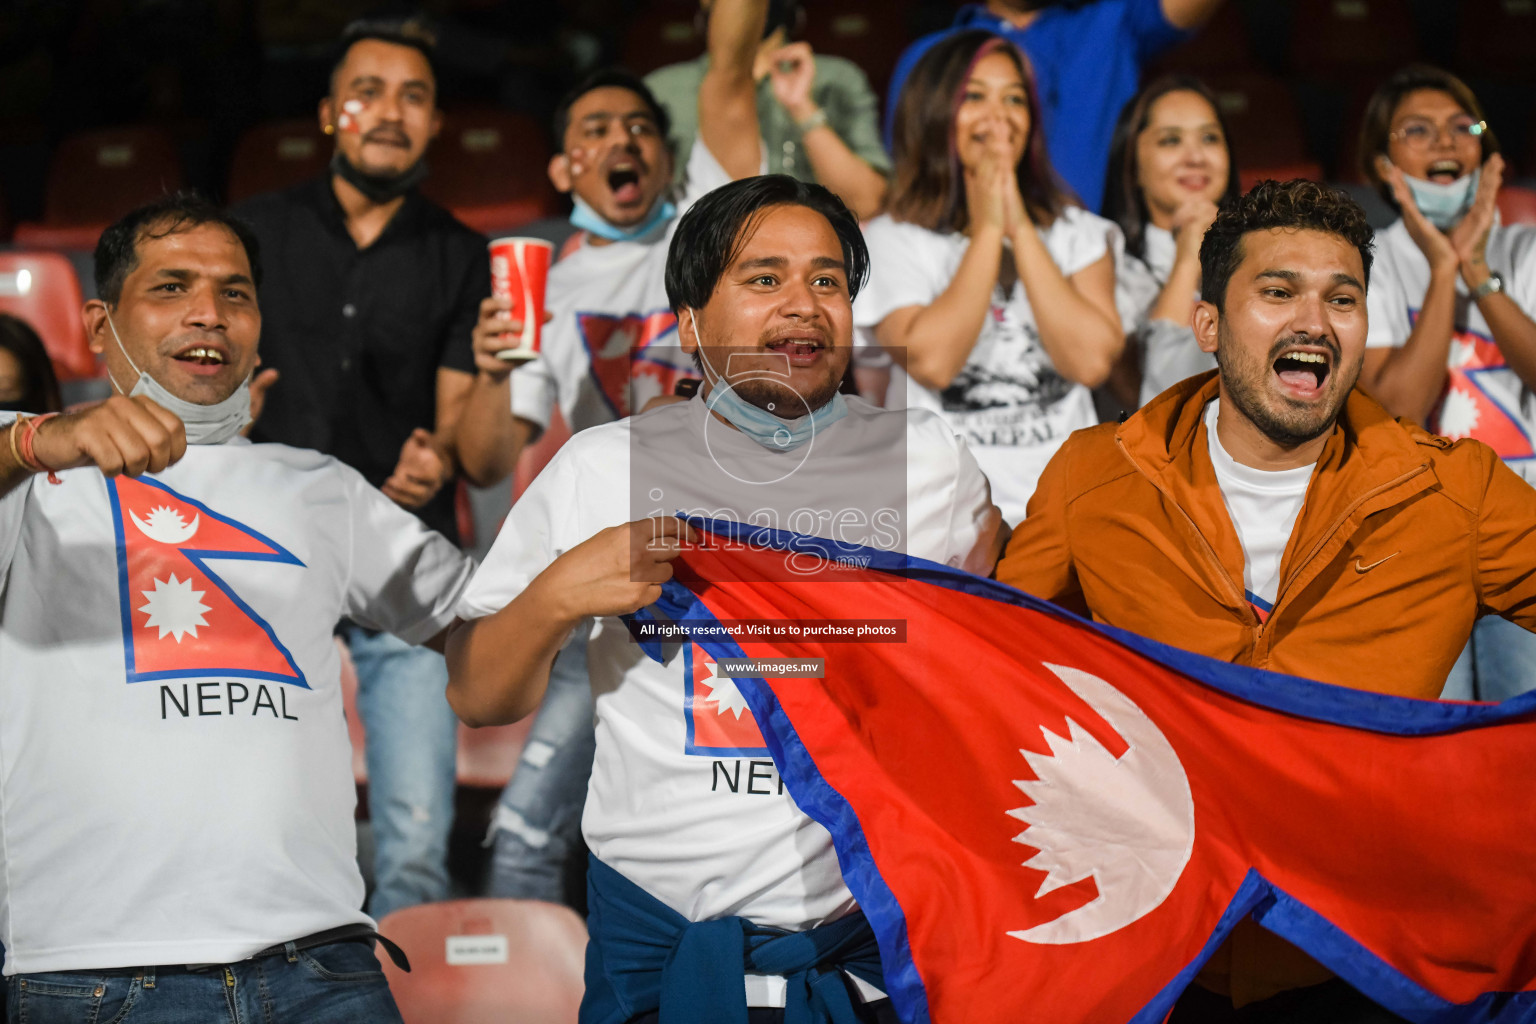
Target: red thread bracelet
x=29, y=457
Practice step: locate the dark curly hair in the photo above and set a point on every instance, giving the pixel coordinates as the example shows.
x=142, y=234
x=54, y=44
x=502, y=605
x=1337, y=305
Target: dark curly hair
x=1298, y=203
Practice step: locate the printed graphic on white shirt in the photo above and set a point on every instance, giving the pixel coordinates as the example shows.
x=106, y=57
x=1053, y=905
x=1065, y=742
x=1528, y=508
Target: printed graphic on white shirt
x=1009, y=371
x=630, y=361
x=719, y=723
x=1482, y=397
x=180, y=619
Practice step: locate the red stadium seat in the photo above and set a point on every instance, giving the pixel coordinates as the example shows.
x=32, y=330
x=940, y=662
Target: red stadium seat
x=1517, y=205
x=275, y=155
x=491, y=168
x=1496, y=38
x=664, y=33
x=42, y=289
x=487, y=757
x=1348, y=36
x=1265, y=126
x=871, y=33
x=1219, y=45
x=487, y=962
x=96, y=177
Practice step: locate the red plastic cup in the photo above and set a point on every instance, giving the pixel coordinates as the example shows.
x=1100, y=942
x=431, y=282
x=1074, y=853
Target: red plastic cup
x=519, y=270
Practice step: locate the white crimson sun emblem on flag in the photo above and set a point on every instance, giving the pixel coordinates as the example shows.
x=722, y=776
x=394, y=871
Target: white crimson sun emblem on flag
x=174, y=608
x=1127, y=822
x=1458, y=413
x=724, y=692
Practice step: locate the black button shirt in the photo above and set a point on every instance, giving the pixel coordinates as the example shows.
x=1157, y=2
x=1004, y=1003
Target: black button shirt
x=358, y=335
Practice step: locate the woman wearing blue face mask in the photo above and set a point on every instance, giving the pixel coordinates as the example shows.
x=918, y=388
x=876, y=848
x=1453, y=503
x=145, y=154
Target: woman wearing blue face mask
x=1452, y=343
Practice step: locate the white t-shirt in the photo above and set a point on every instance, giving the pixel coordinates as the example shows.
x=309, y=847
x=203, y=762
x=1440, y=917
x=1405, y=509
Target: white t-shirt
x=1264, y=505
x=1484, y=398
x=1008, y=402
x=684, y=799
x=1169, y=352
x=612, y=345
x=175, y=773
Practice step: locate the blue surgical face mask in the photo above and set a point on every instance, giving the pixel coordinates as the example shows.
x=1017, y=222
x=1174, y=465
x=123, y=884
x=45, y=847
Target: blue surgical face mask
x=1444, y=205
x=772, y=432
x=584, y=218
x=205, y=424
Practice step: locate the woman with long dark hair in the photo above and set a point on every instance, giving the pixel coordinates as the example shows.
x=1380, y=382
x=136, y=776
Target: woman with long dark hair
x=990, y=287
x=27, y=380
x=1169, y=166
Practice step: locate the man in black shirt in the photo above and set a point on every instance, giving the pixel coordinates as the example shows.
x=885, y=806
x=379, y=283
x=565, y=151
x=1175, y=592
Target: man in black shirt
x=368, y=309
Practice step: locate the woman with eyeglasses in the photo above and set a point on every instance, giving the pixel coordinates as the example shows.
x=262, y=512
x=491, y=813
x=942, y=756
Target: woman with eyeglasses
x=989, y=285
x=1451, y=342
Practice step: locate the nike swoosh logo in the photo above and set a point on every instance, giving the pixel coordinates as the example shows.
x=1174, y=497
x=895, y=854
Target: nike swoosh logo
x=1368, y=568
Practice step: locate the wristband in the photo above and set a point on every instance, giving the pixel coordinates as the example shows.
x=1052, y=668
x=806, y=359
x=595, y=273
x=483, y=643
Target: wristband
x=813, y=122
x=28, y=456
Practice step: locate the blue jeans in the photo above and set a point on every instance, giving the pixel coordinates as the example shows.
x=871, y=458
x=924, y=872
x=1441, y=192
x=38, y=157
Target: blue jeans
x=537, y=827
x=1498, y=662
x=340, y=983
x=412, y=735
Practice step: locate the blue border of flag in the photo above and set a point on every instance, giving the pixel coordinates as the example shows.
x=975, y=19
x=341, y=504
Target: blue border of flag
x=1269, y=905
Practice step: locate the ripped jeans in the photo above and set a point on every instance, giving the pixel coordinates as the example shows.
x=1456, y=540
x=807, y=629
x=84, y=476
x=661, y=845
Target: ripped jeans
x=537, y=827
x=412, y=739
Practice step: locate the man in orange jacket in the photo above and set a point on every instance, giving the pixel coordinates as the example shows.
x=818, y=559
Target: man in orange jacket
x=1272, y=515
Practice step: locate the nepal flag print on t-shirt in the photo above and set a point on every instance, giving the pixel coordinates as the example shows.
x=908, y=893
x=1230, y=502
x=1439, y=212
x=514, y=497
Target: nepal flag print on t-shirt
x=179, y=618
x=716, y=715
x=1482, y=397
x=617, y=347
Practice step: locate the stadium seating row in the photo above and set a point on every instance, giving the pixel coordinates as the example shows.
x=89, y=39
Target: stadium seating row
x=488, y=167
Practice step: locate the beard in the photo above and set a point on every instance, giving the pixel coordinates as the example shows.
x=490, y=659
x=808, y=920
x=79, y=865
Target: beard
x=1286, y=422
x=783, y=399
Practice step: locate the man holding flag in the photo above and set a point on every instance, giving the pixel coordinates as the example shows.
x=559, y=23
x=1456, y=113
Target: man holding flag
x=711, y=891
x=1271, y=515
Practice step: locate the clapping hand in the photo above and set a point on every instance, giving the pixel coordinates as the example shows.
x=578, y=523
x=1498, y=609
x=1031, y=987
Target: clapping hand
x=421, y=472
x=1470, y=235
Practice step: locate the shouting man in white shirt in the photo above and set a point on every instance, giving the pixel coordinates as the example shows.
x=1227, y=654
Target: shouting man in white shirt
x=693, y=837
x=174, y=765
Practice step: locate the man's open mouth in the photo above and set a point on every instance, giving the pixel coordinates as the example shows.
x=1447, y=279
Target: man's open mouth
x=202, y=355
x=624, y=182
x=1443, y=172
x=1304, y=371
x=797, y=346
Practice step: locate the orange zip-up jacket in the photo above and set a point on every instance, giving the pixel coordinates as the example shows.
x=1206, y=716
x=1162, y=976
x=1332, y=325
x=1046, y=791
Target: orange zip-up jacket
x=1404, y=539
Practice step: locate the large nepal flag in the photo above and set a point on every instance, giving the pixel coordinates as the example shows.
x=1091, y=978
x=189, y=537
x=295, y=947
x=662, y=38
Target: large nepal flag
x=1049, y=820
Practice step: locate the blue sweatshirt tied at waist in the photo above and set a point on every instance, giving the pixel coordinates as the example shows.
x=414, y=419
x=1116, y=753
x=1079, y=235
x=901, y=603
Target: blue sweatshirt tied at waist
x=645, y=956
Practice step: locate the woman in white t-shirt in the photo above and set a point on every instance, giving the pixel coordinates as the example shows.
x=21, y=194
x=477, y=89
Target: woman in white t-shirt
x=1168, y=168
x=1452, y=343
x=988, y=286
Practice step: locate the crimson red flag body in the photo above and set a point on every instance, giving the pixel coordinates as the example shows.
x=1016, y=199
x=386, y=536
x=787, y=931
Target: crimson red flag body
x=1050, y=820
x=179, y=617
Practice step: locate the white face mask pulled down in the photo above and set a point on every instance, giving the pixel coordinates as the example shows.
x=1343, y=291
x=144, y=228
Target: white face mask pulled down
x=205, y=424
